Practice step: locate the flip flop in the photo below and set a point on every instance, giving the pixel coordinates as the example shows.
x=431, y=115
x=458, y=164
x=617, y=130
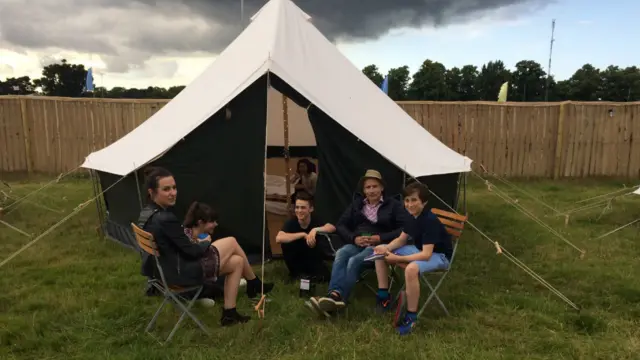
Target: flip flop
x=329, y=305
x=312, y=304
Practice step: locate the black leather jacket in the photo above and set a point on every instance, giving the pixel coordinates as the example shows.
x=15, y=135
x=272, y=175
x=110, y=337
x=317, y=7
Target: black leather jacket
x=179, y=256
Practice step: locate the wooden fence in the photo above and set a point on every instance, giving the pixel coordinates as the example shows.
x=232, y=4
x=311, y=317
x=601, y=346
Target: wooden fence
x=569, y=139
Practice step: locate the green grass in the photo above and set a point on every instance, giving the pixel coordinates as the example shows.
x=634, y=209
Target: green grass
x=75, y=296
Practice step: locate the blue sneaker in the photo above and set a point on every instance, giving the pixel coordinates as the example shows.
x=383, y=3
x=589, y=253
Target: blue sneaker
x=383, y=304
x=406, y=326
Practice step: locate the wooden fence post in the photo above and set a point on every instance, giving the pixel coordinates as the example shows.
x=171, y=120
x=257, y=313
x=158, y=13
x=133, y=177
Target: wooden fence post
x=557, y=158
x=25, y=130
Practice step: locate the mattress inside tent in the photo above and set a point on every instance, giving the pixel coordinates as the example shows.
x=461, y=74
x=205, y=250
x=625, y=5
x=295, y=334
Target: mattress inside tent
x=276, y=194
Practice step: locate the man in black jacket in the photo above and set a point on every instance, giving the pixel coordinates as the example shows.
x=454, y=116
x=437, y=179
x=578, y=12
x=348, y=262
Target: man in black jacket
x=370, y=220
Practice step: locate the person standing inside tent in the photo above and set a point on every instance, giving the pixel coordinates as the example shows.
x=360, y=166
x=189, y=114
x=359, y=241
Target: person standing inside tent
x=431, y=250
x=181, y=258
x=304, y=179
x=369, y=221
x=298, y=241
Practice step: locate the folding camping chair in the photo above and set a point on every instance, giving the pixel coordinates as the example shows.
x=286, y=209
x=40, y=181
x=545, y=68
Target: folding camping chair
x=454, y=223
x=171, y=293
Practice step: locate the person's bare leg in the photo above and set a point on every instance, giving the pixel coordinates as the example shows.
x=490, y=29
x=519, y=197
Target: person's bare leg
x=382, y=272
x=233, y=269
x=412, y=283
x=228, y=247
x=383, y=298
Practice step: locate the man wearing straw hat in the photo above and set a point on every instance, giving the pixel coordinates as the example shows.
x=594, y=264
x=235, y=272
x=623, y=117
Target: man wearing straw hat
x=370, y=220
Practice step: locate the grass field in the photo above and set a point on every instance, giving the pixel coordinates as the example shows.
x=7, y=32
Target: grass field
x=75, y=296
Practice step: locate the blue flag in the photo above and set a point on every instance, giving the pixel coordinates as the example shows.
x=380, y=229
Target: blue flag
x=89, y=81
x=385, y=85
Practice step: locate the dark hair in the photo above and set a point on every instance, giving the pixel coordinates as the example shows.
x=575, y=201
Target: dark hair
x=417, y=187
x=199, y=212
x=305, y=196
x=153, y=175
x=311, y=167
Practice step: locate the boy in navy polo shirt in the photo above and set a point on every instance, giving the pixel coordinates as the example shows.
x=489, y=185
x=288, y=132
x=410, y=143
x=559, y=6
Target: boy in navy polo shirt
x=431, y=250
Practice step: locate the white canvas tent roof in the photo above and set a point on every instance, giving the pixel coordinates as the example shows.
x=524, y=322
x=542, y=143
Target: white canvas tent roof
x=282, y=40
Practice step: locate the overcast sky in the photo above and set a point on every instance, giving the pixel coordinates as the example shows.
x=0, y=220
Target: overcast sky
x=169, y=42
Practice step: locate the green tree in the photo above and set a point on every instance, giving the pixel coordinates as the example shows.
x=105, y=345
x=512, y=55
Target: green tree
x=372, y=72
x=620, y=84
x=17, y=86
x=453, y=79
x=632, y=83
x=116, y=92
x=429, y=82
x=154, y=92
x=174, y=91
x=468, y=80
x=528, y=81
x=561, y=91
x=100, y=92
x=585, y=84
x=399, y=83
x=492, y=75
x=62, y=79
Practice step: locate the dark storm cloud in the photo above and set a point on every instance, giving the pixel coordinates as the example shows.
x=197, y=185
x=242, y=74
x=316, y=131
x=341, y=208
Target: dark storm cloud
x=129, y=32
x=353, y=19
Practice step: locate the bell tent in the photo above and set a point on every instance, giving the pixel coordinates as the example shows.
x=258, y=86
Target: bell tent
x=214, y=136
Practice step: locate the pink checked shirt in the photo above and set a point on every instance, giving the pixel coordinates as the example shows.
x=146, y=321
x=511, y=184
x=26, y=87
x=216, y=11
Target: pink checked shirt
x=371, y=211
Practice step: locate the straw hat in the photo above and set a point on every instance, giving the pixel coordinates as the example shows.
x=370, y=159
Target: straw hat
x=372, y=174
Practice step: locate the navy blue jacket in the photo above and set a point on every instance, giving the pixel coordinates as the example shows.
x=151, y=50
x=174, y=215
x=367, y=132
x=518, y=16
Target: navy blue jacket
x=392, y=218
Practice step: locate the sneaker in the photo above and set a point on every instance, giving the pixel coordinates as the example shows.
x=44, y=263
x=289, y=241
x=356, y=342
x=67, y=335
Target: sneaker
x=206, y=302
x=232, y=318
x=401, y=309
x=243, y=282
x=406, y=326
x=330, y=303
x=383, y=304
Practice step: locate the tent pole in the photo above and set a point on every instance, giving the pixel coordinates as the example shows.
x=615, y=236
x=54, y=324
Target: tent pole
x=135, y=172
x=404, y=178
x=285, y=120
x=460, y=188
x=464, y=193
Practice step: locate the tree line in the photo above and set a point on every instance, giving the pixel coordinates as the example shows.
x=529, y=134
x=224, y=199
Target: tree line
x=432, y=81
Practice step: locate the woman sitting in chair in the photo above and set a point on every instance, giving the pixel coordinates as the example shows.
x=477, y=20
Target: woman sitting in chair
x=191, y=261
x=304, y=179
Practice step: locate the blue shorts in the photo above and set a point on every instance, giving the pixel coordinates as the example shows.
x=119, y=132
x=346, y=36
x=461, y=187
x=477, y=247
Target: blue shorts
x=438, y=261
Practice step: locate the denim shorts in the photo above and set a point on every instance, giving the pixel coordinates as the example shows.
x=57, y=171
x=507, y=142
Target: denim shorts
x=438, y=261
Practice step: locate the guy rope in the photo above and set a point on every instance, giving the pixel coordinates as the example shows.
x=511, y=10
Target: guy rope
x=56, y=225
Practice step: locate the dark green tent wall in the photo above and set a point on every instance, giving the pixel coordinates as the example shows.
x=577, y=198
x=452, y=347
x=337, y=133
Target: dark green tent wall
x=222, y=163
